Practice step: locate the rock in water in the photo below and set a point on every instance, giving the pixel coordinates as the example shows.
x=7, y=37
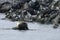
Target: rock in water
x=55, y=26
x=22, y=26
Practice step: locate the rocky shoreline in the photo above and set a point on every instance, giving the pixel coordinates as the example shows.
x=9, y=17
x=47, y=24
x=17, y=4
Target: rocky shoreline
x=44, y=12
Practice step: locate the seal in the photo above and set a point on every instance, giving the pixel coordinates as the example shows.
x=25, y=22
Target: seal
x=21, y=26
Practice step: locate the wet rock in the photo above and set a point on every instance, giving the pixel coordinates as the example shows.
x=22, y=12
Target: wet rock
x=32, y=12
x=17, y=6
x=35, y=5
x=24, y=1
x=55, y=26
x=5, y=7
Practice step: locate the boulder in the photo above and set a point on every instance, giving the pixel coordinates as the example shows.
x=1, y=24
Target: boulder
x=6, y=6
x=55, y=26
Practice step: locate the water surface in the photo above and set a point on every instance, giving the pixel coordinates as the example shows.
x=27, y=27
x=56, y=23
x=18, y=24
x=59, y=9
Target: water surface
x=37, y=31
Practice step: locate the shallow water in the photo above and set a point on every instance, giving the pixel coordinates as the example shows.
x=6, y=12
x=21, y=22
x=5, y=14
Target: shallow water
x=37, y=31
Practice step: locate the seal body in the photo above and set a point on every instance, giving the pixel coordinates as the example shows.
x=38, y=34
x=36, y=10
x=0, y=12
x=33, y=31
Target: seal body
x=22, y=26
